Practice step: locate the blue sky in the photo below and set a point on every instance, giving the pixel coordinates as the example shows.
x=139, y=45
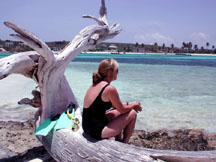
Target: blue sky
x=142, y=21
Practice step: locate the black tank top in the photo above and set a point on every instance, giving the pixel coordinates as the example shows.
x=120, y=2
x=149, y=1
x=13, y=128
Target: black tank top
x=94, y=118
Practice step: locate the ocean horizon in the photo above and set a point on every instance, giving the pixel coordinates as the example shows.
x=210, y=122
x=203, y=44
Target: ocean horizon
x=175, y=91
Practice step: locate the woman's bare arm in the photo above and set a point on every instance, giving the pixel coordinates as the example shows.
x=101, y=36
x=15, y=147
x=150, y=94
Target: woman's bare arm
x=113, y=96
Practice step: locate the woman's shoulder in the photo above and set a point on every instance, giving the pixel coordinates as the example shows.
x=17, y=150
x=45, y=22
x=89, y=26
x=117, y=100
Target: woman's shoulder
x=105, y=85
x=111, y=88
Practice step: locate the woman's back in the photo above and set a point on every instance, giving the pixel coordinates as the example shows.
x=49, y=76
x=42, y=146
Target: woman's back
x=94, y=118
x=93, y=92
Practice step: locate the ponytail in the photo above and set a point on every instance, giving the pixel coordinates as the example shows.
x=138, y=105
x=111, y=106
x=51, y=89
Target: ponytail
x=104, y=67
x=96, y=78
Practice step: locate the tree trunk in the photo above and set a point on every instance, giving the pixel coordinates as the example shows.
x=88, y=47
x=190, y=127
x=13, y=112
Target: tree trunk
x=65, y=146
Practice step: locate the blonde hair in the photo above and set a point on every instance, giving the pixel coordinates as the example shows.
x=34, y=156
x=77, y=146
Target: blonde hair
x=103, y=68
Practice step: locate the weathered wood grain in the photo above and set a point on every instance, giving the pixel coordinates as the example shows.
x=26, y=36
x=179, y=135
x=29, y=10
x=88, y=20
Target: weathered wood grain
x=66, y=145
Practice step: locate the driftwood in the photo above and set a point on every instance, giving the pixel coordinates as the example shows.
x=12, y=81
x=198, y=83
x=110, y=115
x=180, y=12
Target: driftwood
x=54, y=94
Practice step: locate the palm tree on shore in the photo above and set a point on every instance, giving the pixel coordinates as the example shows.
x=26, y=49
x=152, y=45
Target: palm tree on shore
x=184, y=45
x=202, y=49
x=207, y=45
x=189, y=46
x=172, y=45
x=155, y=47
x=195, y=47
x=137, y=45
x=213, y=49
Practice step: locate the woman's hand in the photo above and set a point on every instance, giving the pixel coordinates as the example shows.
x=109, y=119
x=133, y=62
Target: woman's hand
x=137, y=107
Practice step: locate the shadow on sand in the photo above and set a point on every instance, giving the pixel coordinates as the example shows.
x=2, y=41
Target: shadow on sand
x=34, y=153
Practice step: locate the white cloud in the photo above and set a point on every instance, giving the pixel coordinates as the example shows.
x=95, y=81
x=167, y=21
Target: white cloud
x=199, y=38
x=154, y=26
x=151, y=38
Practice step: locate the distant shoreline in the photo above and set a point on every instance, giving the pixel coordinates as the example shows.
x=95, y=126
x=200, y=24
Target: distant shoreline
x=129, y=53
x=150, y=53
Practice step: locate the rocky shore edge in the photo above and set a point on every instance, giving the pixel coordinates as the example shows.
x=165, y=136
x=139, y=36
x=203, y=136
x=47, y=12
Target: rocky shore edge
x=17, y=142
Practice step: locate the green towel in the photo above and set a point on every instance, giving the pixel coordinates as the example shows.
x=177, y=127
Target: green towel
x=45, y=127
x=62, y=122
x=65, y=122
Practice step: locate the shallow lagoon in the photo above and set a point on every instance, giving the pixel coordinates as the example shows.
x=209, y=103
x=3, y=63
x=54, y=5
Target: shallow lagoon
x=175, y=91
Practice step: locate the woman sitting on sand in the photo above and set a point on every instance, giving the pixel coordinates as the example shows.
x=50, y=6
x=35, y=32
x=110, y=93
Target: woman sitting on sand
x=99, y=120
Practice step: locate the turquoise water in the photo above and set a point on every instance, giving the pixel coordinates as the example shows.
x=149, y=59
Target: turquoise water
x=175, y=91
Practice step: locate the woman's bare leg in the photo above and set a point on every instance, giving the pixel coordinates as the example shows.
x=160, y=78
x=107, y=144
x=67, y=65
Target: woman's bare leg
x=111, y=115
x=124, y=121
x=129, y=130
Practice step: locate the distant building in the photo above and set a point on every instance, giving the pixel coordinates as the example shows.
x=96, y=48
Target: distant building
x=56, y=48
x=57, y=45
x=21, y=44
x=9, y=44
x=113, y=48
